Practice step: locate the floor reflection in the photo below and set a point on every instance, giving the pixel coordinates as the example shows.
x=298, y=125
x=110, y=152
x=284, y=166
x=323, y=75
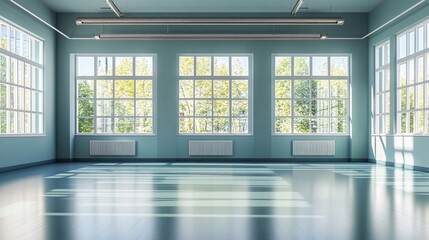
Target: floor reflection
x=214, y=201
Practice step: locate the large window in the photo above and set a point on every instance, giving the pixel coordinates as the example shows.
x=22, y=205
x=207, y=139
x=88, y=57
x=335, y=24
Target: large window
x=382, y=89
x=21, y=82
x=214, y=94
x=413, y=80
x=114, y=94
x=311, y=94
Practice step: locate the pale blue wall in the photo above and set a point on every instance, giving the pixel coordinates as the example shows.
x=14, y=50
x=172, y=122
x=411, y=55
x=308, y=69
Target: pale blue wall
x=167, y=144
x=400, y=150
x=27, y=150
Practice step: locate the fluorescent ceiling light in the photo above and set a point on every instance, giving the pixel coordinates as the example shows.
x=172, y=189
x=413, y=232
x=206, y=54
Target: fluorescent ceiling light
x=114, y=8
x=297, y=6
x=209, y=21
x=210, y=37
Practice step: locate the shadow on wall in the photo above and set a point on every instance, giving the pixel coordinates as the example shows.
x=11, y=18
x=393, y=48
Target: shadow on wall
x=396, y=149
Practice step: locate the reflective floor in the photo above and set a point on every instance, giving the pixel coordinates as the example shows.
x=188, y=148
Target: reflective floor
x=214, y=201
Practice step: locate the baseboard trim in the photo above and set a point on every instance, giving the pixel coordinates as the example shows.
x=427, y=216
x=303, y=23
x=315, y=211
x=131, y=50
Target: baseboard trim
x=217, y=160
x=26, y=165
x=400, y=165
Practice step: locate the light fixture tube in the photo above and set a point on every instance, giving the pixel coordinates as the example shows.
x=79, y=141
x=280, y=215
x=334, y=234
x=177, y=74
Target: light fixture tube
x=210, y=37
x=114, y=8
x=297, y=6
x=209, y=21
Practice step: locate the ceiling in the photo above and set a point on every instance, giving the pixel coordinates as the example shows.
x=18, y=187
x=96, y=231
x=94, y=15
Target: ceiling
x=218, y=6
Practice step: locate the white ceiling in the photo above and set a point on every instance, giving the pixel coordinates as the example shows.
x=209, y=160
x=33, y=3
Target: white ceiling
x=215, y=6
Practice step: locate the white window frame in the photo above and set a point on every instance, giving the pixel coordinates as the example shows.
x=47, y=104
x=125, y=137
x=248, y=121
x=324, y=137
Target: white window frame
x=292, y=78
x=114, y=77
x=381, y=93
x=424, y=53
x=31, y=61
x=212, y=77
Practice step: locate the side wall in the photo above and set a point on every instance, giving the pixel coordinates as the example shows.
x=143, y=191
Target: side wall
x=395, y=149
x=16, y=151
x=167, y=144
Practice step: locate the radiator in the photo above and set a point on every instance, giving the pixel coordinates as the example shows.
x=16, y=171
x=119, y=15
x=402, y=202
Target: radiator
x=313, y=148
x=210, y=148
x=112, y=148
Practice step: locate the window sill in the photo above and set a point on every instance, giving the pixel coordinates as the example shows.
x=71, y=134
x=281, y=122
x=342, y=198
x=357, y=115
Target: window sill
x=115, y=135
x=310, y=135
x=214, y=135
x=21, y=136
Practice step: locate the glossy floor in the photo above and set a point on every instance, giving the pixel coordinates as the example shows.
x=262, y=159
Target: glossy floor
x=214, y=201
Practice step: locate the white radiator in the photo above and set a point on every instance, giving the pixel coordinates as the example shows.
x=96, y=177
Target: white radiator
x=112, y=148
x=313, y=148
x=210, y=148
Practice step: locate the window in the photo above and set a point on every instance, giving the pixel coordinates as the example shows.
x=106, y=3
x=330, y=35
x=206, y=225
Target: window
x=21, y=82
x=311, y=94
x=413, y=80
x=382, y=88
x=214, y=94
x=114, y=94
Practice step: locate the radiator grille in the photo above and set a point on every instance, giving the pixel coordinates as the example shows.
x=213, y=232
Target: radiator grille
x=112, y=148
x=210, y=148
x=313, y=148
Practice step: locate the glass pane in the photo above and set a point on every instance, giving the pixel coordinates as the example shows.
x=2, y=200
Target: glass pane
x=3, y=68
x=320, y=88
x=420, y=38
x=301, y=89
x=204, y=66
x=3, y=37
x=124, y=108
x=320, y=125
x=144, y=67
x=105, y=108
x=412, y=116
x=338, y=108
x=3, y=95
x=13, y=71
x=186, y=125
x=403, y=75
x=239, y=89
x=403, y=122
x=124, y=89
x=339, y=66
x=411, y=72
x=320, y=107
x=186, y=108
x=85, y=88
x=85, y=125
x=283, y=125
x=144, y=108
x=421, y=122
x=282, y=108
x=203, y=89
x=386, y=80
x=283, y=66
x=221, y=125
x=240, y=125
x=403, y=99
x=221, y=89
x=104, y=125
x=144, y=88
x=240, y=66
x=27, y=80
x=186, y=66
x=203, y=125
x=85, y=108
x=420, y=70
x=221, y=107
x=85, y=66
x=338, y=89
x=239, y=108
x=104, y=66
x=420, y=96
x=411, y=97
x=27, y=99
x=124, y=66
x=221, y=66
x=3, y=121
x=338, y=125
x=301, y=125
x=104, y=88
x=320, y=66
x=283, y=89
x=301, y=66
x=124, y=125
x=144, y=125
x=301, y=107
x=203, y=108
x=186, y=89
x=412, y=43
